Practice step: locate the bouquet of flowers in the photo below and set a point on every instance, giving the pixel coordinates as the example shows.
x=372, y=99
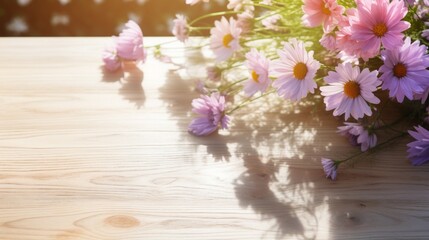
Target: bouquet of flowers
x=348, y=53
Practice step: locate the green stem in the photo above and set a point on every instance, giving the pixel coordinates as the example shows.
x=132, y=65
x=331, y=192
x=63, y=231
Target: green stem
x=372, y=149
x=245, y=102
x=212, y=15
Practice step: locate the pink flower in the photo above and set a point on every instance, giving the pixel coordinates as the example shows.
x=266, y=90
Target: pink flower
x=405, y=71
x=238, y=5
x=211, y=114
x=245, y=22
x=110, y=59
x=295, y=71
x=318, y=12
x=130, y=43
x=349, y=91
x=224, y=39
x=193, y=2
x=328, y=41
x=379, y=23
x=214, y=73
x=180, y=28
x=330, y=168
x=258, y=66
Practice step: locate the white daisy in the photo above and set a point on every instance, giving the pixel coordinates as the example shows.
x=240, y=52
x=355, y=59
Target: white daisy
x=349, y=91
x=295, y=71
x=258, y=66
x=225, y=38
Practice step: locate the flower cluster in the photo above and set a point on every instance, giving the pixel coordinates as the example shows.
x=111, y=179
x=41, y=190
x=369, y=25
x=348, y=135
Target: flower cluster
x=128, y=46
x=350, y=52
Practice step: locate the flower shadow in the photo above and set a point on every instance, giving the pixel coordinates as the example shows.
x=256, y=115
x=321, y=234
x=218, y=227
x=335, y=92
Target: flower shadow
x=131, y=79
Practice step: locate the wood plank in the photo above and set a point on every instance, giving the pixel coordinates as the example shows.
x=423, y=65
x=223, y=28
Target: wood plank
x=86, y=156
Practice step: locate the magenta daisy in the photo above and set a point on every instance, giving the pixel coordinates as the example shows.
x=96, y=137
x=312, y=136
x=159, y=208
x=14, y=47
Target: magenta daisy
x=349, y=91
x=180, y=28
x=405, y=70
x=418, y=150
x=211, y=111
x=130, y=43
x=295, y=71
x=330, y=168
x=322, y=12
x=224, y=40
x=379, y=23
x=258, y=66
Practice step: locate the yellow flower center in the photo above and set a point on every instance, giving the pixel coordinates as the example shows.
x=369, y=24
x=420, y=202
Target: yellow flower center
x=352, y=89
x=255, y=76
x=379, y=29
x=325, y=10
x=400, y=70
x=227, y=40
x=300, y=71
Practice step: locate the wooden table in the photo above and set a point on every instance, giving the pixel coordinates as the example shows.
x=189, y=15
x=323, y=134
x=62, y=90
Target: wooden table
x=90, y=155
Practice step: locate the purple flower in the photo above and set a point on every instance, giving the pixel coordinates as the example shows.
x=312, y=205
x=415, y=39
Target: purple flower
x=180, y=28
x=330, y=168
x=130, y=43
x=211, y=111
x=358, y=135
x=418, y=151
x=110, y=59
x=405, y=70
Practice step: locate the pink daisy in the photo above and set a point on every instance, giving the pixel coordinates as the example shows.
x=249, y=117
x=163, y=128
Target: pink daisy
x=193, y=2
x=349, y=91
x=405, y=70
x=224, y=40
x=180, y=28
x=130, y=43
x=318, y=12
x=110, y=59
x=379, y=23
x=295, y=71
x=258, y=66
x=211, y=114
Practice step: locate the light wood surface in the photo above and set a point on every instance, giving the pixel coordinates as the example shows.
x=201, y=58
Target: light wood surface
x=89, y=155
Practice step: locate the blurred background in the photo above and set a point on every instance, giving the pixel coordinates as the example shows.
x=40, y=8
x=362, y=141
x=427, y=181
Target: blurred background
x=95, y=17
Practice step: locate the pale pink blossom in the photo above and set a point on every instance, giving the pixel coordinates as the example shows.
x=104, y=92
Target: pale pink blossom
x=322, y=12
x=110, y=58
x=193, y=2
x=237, y=5
x=180, y=28
x=130, y=43
x=245, y=22
x=328, y=41
x=225, y=38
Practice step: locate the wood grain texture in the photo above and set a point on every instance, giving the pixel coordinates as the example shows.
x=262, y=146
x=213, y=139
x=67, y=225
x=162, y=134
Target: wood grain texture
x=90, y=155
